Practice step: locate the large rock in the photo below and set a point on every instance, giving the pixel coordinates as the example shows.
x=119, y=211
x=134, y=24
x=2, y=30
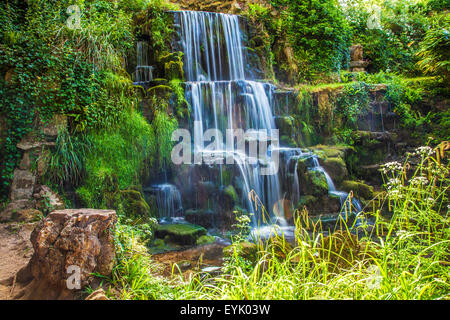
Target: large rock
x=184, y=234
x=69, y=245
x=135, y=206
x=360, y=189
x=336, y=168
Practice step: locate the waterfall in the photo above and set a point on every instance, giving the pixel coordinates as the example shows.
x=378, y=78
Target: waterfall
x=346, y=205
x=144, y=72
x=212, y=46
x=168, y=200
x=221, y=98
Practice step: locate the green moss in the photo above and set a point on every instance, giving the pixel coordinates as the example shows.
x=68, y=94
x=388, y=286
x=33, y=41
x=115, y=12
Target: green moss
x=360, y=189
x=317, y=182
x=205, y=240
x=336, y=168
x=134, y=205
x=185, y=234
x=306, y=200
x=231, y=192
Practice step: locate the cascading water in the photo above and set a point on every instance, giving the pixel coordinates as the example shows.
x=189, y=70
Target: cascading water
x=168, y=200
x=221, y=98
x=347, y=205
x=144, y=72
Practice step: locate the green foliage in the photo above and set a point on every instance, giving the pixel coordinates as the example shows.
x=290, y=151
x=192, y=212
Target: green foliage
x=391, y=45
x=66, y=163
x=319, y=34
x=402, y=96
x=434, y=52
x=351, y=103
x=122, y=153
x=164, y=125
x=46, y=68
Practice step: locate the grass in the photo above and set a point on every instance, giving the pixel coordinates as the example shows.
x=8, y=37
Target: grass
x=402, y=255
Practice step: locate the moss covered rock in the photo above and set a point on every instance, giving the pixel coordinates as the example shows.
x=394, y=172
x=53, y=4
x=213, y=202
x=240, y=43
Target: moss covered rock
x=336, y=168
x=360, y=189
x=324, y=151
x=134, y=205
x=316, y=183
x=184, y=234
x=205, y=240
x=285, y=125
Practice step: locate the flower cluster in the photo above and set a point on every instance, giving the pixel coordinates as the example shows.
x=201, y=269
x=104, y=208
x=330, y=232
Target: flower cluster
x=391, y=167
x=423, y=151
x=419, y=181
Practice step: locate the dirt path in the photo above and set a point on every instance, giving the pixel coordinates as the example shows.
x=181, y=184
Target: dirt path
x=15, y=252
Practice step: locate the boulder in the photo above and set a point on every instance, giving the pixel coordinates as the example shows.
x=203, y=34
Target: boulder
x=336, y=168
x=360, y=189
x=315, y=183
x=134, y=205
x=184, y=234
x=69, y=246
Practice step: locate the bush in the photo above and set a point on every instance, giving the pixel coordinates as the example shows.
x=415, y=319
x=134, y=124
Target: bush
x=434, y=51
x=122, y=153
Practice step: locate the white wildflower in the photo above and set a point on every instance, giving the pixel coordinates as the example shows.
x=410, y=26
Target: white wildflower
x=391, y=166
x=423, y=151
x=418, y=181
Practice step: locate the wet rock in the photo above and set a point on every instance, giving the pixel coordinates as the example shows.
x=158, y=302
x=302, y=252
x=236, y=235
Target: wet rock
x=184, y=234
x=206, y=240
x=135, y=206
x=336, y=168
x=360, y=189
x=228, y=198
x=315, y=184
x=69, y=245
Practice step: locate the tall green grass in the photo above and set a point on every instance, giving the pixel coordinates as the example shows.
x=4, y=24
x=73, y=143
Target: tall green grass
x=403, y=254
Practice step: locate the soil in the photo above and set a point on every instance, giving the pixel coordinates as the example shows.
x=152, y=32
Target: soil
x=15, y=252
x=190, y=260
